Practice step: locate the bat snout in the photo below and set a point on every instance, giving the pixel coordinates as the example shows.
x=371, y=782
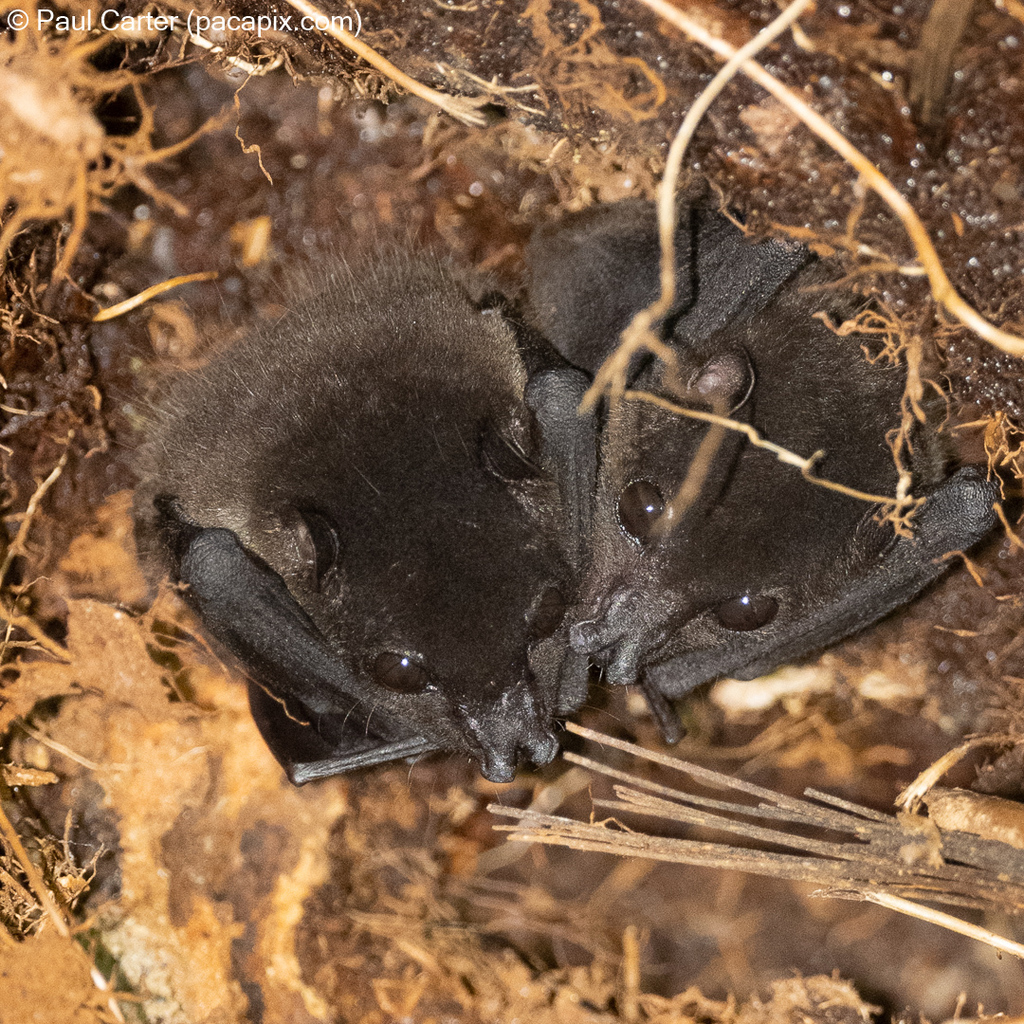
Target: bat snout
x=609, y=620
x=619, y=634
x=498, y=763
x=501, y=733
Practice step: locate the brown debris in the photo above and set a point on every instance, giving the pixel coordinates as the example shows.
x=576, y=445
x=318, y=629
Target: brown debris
x=44, y=973
x=986, y=816
x=221, y=894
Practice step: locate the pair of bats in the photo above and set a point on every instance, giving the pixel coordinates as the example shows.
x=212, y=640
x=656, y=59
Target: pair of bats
x=388, y=508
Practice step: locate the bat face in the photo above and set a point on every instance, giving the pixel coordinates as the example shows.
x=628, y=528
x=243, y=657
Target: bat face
x=378, y=512
x=763, y=567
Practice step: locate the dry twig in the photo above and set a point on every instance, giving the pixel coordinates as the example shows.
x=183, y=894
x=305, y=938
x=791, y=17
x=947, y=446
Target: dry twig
x=639, y=335
x=126, y=305
x=879, y=857
x=16, y=547
x=462, y=108
x=903, y=504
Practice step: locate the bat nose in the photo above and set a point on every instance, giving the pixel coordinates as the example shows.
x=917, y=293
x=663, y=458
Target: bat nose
x=610, y=621
x=499, y=764
x=505, y=730
x=622, y=630
x=591, y=636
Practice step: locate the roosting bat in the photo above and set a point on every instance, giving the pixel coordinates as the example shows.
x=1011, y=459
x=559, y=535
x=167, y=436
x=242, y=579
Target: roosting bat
x=379, y=512
x=763, y=567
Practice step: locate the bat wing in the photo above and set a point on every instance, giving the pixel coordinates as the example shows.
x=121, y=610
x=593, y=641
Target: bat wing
x=958, y=514
x=315, y=727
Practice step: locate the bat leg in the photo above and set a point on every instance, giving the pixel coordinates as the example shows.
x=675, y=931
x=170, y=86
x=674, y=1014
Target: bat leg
x=664, y=713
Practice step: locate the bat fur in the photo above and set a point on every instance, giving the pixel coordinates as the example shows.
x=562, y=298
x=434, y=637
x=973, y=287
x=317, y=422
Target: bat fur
x=378, y=509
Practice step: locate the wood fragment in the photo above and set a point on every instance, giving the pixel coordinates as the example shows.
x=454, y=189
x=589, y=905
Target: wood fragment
x=858, y=848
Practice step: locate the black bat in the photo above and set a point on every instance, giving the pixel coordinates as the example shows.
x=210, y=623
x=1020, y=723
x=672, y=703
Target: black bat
x=380, y=512
x=763, y=567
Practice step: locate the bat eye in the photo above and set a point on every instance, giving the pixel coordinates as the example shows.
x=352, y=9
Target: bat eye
x=318, y=542
x=400, y=673
x=751, y=611
x=640, y=505
x=548, y=614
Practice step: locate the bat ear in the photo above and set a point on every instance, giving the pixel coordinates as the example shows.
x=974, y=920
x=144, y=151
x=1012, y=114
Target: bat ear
x=723, y=383
x=734, y=279
x=955, y=517
x=568, y=446
x=591, y=272
x=509, y=459
x=246, y=606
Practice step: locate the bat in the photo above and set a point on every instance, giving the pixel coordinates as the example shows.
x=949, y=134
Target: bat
x=763, y=567
x=379, y=507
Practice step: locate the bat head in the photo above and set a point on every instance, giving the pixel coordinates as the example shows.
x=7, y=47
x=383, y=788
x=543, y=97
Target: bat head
x=379, y=512
x=756, y=566
x=762, y=566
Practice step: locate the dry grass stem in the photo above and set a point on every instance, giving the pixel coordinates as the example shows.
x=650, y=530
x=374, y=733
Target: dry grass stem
x=834, y=842
x=1008, y=531
x=126, y=305
x=17, y=546
x=673, y=163
x=911, y=797
x=904, y=505
x=60, y=748
x=638, y=335
x=35, y=879
x=500, y=93
x=932, y=916
x=251, y=69
x=462, y=108
x=629, y=997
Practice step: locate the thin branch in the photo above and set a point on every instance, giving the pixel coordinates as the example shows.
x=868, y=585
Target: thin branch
x=60, y=748
x=17, y=546
x=638, y=335
x=929, y=914
x=911, y=797
x=884, y=858
x=805, y=465
x=35, y=878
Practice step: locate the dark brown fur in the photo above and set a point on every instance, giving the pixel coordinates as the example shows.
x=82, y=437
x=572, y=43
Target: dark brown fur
x=393, y=409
